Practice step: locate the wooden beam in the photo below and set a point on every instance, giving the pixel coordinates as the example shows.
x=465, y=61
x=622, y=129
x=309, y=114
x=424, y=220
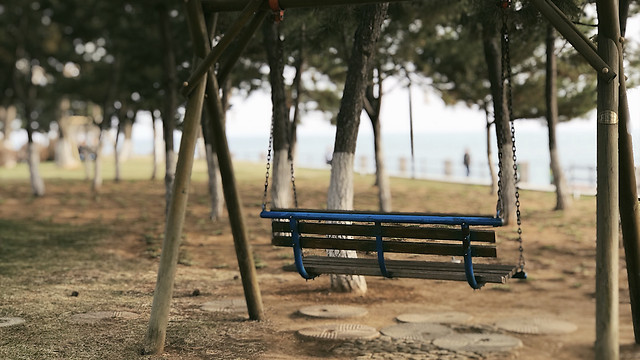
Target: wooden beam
x=233, y=54
x=237, y=5
x=580, y=42
x=213, y=56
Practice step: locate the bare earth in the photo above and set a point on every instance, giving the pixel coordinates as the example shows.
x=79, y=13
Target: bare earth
x=106, y=249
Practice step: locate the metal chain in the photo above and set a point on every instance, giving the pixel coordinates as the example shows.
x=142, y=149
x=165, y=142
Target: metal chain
x=266, y=176
x=293, y=179
x=506, y=73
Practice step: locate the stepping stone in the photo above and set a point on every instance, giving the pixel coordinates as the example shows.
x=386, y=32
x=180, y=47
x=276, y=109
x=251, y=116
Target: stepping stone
x=416, y=331
x=10, y=321
x=226, y=306
x=478, y=342
x=95, y=316
x=339, y=332
x=445, y=317
x=333, y=311
x=536, y=326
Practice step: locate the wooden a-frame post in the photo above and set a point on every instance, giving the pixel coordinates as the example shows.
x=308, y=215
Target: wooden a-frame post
x=617, y=193
x=156, y=332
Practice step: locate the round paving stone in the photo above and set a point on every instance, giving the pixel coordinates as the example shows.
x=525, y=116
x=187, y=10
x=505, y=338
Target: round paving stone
x=478, y=342
x=416, y=331
x=536, y=326
x=333, y=311
x=10, y=321
x=445, y=317
x=226, y=305
x=339, y=332
x=95, y=316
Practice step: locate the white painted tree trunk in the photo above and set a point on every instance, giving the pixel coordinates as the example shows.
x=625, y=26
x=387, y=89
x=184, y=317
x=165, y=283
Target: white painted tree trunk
x=157, y=155
x=33, y=156
x=215, y=184
x=340, y=197
x=126, y=149
x=64, y=153
x=281, y=184
x=201, y=148
x=97, y=167
x=116, y=157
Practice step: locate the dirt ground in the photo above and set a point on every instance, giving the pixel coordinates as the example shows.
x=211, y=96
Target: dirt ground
x=105, y=248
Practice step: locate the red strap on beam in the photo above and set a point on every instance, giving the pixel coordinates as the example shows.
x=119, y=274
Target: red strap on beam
x=278, y=12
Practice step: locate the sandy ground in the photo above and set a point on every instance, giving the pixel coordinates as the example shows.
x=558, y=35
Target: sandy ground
x=120, y=276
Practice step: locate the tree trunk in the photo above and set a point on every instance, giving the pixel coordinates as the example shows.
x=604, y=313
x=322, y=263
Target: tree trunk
x=297, y=92
x=562, y=200
x=33, y=159
x=66, y=152
x=340, y=194
x=372, y=106
x=506, y=178
x=155, y=153
x=97, y=167
x=171, y=101
x=280, y=188
x=215, y=182
x=116, y=153
x=7, y=155
x=493, y=188
x=382, y=179
x=127, y=142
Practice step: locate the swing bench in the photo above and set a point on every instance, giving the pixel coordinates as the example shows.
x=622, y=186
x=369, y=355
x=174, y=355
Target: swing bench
x=408, y=233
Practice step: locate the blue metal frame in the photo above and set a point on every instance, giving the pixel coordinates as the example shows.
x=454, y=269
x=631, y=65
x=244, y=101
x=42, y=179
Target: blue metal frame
x=468, y=259
x=378, y=219
x=380, y=250
x=390, y=218
x=297, y=250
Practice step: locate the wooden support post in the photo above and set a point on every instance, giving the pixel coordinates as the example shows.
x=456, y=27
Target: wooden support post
x=607, y=341
x=231, y=195
x=234, y=205
x=157, y=330
x=582, y=45
x=213, y=56
x=629, y=210
x=241, y=44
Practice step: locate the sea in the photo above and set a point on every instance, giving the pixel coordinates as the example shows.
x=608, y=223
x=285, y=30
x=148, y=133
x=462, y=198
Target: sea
x=439, y=155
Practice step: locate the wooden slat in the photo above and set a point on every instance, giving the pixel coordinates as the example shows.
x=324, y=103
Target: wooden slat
x=487, y=273
x=395, y=246
x=388, y=231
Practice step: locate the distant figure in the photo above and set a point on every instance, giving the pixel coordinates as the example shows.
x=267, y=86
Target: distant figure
x=466, y=160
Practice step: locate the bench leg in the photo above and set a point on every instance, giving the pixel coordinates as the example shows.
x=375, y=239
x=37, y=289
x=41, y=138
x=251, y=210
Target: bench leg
x=468, y=259
x=380, y=251
x=297, y=250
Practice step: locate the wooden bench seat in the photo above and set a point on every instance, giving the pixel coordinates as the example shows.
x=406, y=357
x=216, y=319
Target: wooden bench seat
x=485, y=273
